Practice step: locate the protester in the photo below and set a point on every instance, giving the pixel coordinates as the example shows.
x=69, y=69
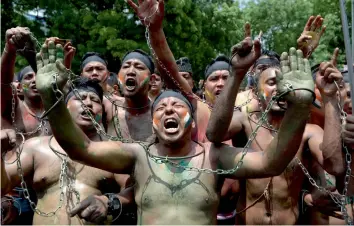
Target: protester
x=185, y=70
x=156, y=85
x=113, y=84
x=45, y=153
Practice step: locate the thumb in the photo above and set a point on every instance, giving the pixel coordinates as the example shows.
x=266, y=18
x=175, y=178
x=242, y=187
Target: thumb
x=62, y=70
x=161, y=5
x=279, y=75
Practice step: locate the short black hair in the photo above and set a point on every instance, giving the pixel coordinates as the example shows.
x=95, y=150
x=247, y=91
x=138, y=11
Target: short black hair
x=112, y=79
x=85, y=83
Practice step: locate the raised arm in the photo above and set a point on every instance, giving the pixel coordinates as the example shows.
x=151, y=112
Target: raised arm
x=151, y=14
x=9, y=174
x=285, y=144
x=244, y=54
x=111, y=156
x=311, y=35
x=330, y=152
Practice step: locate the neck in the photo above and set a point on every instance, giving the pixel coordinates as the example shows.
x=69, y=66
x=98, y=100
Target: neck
x=92, y=134
x=137, y=104
x=35, y=105
x=176, y=149
x=275, y=119
x=153, y=94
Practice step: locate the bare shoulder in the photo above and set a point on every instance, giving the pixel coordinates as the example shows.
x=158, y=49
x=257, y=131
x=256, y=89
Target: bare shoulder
x=35, y=143
x=311, y=130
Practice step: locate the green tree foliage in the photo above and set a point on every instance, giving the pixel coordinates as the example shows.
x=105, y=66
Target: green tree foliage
x=198, y=29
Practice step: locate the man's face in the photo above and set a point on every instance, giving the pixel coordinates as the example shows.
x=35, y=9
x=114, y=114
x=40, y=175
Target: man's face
x=93, y=103
x=135, y=77
x=172, y=120
x=155, y=83
x=28, y=84
x=267, y=88
x=95, y=71
x=346, y=97
x=215, y=84
x=188, y=77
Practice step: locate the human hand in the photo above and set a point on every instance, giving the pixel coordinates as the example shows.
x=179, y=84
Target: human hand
x=150, y=12
x=19, y=39
x=69, y=50
x=92, y=209
x=50, y=62
x=327, y=75
x=295, y=74
x=311, y=35
x=245, y=53
x=8, y=139
x=348, y=131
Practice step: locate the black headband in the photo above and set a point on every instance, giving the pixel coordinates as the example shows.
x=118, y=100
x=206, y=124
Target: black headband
x=184, y=65
x=170, y=93
x=216, y=66
x=23, y=72
x=91, y=59
x=87, y=88
x=267, y=61
x=143, y=58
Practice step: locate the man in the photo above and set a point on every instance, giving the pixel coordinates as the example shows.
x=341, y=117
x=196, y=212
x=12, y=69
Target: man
x=185, y=70
x=21, y=115
x=259, y=203
x=216, y=74
x=165, y=193
x=156, y=85
x=113, y=84
x=42, y=153
x=348, y=135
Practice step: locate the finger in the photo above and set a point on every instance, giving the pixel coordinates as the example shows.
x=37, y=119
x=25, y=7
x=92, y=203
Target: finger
x=161, y=5
x=307, y=66
x=349, y=141
x=59, y=53
x=319, y=24
x=349, y=127
x=45, y=55
x=82, y=205
x=12, y=136
x=236, y=48
x=51, y=51
x=132, y=5
x=300, y=60
x=329, y=70
x=96, y=217
x=347, y=134
x=87, y=212
x=322, y=31
x=315, y=22
x=323, y=67
x=350, y=119
x=308, y=24
x=260, y=35
x=293, y=59
x=279, y=75
x=257, y=48
x=335, y=76
x=284, y=63
x=39, y=61
x=140, y=2
x=334, y=57
x=61, y=67
x=247, y=30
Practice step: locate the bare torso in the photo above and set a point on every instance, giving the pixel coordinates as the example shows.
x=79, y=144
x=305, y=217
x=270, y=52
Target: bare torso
x=84, y=179
x=165, y=195
x=272, y=200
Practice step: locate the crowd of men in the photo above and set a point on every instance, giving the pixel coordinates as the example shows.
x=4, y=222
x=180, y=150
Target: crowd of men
x=148, y=145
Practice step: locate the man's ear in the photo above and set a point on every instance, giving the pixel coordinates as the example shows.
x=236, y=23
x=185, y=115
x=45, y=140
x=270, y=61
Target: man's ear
x=116, y=90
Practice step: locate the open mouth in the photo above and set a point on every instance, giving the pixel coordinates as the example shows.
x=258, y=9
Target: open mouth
x=34, y=88
x=171, y=125
x=85, y=115
x=218, y=92
x=130, y=84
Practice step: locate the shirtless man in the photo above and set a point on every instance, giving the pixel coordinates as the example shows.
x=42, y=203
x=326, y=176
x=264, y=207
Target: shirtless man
x=163, y=192
x=156, y=85
x=42, y=162
x=185, y=70
x=275, y=200
x=26, y=112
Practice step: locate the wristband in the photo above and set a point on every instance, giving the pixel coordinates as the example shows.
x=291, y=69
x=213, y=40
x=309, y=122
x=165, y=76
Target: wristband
x=114, y=206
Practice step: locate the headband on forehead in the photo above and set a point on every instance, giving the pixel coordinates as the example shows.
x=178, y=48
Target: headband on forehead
x=86, y=85
x=170, y=93
x=23, y=72
x=138, y=54
x=216, y=66
x=91, y=57
x=184, y=65
x=345, y=74
x=267, y=61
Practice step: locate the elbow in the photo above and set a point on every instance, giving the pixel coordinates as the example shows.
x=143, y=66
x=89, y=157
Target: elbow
x=214, y=137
